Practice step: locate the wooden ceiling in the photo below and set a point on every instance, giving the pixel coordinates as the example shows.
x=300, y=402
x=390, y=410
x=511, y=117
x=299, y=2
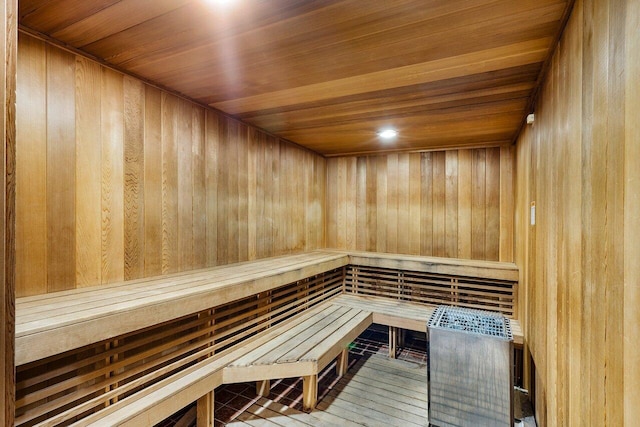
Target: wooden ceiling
x=328, y=74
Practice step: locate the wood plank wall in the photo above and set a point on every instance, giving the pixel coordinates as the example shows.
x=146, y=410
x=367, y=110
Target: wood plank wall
x=119, y=180
x=456, y=203
x=579, y=263
x=8, y=52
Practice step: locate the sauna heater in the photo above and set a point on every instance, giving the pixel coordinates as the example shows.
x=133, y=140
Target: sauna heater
x=470, y=368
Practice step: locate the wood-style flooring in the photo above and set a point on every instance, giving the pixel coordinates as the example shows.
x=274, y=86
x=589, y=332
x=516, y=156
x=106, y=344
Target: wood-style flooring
x=376, y=391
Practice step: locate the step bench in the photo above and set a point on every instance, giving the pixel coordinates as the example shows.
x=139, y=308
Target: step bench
x=300, y=347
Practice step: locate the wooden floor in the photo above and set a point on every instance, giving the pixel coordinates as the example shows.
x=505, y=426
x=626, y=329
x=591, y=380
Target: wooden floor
x=377, y=391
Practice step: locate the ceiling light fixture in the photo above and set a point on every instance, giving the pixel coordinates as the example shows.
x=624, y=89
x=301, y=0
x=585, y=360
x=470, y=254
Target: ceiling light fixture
x=388, y=133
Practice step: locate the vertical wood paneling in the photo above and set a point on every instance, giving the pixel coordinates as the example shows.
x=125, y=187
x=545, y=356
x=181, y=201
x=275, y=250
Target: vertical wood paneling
x=404, y=207
x=133, y=178
x=451, y=204
x=252, y=197
x=152, y=182
x=492, y=210
x=61, y=154
x=123, y=180
x=372, y=203
x=392, y=203
x=261, y=220
x=31, y=182
x=361, y=203
x=464, y=204
x=212, y=143
x=381, y=204
x=184, y=144
x=231, y=220
x=170, y=224
x=351, y=202
x=270, y=193
x=478, y=203
x=426, y=202
x=507, y=202
x=439, y=211
x=420, y=203
x=242, y=191
x=88, y=176
x=578, y=162
x=414, y=226
x=112, y=136
x=199, y=187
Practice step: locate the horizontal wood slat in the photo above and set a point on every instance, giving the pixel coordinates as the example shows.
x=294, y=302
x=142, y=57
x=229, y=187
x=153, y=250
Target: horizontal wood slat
x=66, y=386
x=90, y=314
x=73, y=385
x=429, y=288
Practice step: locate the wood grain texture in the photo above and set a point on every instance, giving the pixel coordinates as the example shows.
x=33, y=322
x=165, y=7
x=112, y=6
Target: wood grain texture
x=88, y=176
x=8, y=52
x=61, y=155
x=421, y=203
x=152, y=183
x=579, y=285
x=31, y=185
x=133, y=178
x=112, y=136
x=327, y=75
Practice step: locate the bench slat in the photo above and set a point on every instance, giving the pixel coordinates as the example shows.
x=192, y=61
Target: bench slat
x=302, y=347
x=311, y=318
x=50, y=336
x=326, y=317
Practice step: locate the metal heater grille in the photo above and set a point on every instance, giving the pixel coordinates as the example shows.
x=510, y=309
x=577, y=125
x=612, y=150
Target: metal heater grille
x=470, y=368
x=473, y=321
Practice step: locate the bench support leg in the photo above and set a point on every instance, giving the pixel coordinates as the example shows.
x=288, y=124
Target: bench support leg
x=263, y=388
x=393, y=340
x=204, y=410
x=309, y=392
x=402, y=336
x=342, y=363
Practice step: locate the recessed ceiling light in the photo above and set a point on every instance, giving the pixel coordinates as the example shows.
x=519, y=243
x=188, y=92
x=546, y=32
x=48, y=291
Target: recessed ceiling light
x=388, y=133
x=221, y=2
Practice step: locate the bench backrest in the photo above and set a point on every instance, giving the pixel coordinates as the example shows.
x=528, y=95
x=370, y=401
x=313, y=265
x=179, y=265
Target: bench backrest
x=499, y=295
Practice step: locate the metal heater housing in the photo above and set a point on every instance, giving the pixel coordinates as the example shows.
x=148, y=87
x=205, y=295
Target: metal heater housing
x=470, y=368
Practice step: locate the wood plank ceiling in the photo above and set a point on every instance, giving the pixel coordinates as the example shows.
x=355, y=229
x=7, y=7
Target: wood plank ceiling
x=328, y=74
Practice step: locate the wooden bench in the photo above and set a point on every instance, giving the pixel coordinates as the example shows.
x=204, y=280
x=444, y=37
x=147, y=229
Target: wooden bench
x=302, y=346
x=303, y=350
x=54, y=323
x=169, y=340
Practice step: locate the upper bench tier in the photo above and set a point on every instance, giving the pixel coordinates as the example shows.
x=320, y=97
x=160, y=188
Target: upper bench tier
x=53, y=323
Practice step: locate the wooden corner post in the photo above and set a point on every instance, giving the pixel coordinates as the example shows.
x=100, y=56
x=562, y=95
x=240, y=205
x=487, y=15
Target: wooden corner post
x=7, y=212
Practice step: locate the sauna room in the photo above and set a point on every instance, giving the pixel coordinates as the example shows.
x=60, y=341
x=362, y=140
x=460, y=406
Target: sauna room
x=320, y=213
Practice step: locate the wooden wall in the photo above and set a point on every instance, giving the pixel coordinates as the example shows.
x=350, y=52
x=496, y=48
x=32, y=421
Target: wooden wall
x=8, y=46
x=119, y=180
x=580, y=261
x=456, y=203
